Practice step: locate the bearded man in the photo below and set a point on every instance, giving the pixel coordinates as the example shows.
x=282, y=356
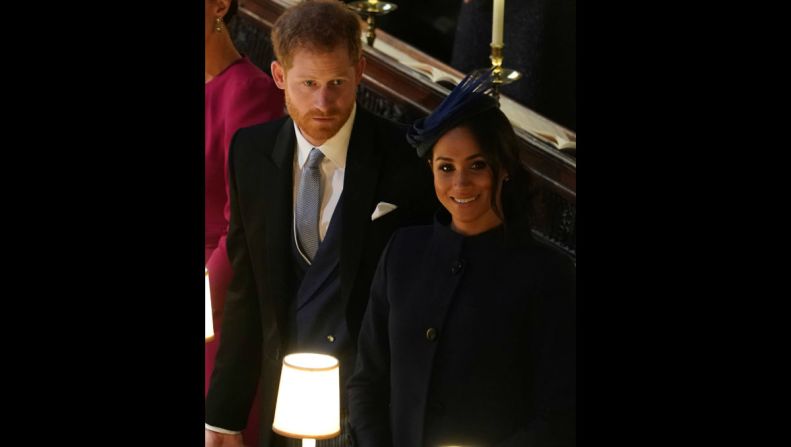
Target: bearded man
x=314, y=199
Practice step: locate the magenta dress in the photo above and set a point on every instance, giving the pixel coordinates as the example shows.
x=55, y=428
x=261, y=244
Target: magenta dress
x=241, y=95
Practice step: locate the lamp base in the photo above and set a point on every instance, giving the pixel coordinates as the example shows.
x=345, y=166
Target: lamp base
x=308, y=442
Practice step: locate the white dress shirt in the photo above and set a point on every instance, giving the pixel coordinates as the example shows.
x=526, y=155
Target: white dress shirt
x=333, y=168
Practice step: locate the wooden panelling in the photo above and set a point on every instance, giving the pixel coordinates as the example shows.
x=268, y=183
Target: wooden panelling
x=389, y=91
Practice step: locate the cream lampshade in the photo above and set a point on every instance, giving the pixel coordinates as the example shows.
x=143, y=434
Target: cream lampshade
x=308, y=400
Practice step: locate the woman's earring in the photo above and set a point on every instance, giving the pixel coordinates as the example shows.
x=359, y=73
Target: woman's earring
x=218, y=25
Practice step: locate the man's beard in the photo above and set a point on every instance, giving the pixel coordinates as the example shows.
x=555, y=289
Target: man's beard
x=314, y=130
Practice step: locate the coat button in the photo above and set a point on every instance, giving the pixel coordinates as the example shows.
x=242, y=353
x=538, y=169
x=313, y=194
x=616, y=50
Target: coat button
x=456, y=268
x=330, y=339
x=431, y=334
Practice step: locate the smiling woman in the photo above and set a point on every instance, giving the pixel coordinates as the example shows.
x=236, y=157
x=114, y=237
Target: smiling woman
x=464, y=182
x=473, y=151
x=424, y=374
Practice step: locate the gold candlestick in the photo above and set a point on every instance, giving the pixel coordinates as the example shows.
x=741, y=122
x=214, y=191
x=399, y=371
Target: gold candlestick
x=500, y=75
x=497, y=59
x=370, y=10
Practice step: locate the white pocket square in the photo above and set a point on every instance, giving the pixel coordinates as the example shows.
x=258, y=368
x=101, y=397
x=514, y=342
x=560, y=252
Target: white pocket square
x=382, y=208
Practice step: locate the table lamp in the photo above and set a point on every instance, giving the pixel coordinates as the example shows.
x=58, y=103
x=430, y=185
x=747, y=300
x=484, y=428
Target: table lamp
x=308, y=400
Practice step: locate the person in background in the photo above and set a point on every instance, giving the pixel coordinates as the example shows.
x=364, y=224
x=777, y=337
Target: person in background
x=237, y=94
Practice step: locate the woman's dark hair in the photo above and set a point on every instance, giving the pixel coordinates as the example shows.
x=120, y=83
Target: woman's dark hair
x=495, y=136
x=232, y=8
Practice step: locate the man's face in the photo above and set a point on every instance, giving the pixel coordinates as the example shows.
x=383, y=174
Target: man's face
x=320, y=90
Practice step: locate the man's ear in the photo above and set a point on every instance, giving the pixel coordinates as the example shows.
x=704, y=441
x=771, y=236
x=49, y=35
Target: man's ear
x=278, y=75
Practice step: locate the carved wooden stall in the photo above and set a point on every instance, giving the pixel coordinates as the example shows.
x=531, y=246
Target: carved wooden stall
x=399, y=92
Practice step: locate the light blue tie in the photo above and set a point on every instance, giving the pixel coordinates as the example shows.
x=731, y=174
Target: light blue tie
x=308, y=204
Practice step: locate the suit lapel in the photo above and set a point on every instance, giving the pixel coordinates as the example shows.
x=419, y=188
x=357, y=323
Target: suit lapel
x=283, y=150
x=276, y=197
x=363, y=163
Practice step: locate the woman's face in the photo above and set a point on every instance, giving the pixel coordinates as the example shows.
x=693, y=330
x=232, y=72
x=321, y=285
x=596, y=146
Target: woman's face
x=463, y=182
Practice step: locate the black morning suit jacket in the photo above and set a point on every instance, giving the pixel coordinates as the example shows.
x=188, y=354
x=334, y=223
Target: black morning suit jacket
x=380, y=167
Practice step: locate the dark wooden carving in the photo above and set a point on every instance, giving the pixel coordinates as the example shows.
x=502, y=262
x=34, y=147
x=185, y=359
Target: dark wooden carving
x=252, y=40
x=386, y=107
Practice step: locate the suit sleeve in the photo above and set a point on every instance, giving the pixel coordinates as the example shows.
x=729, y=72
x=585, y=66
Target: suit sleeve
x=256, y=101
x=233, y=383
x=253, y=100
x=553, y=355
x=369, y=386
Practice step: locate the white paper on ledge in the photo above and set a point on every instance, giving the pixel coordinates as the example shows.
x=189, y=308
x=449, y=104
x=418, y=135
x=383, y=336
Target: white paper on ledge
x=518, y=114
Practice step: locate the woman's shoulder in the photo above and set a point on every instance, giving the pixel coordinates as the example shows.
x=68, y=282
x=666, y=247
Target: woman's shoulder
x=413, y=234
x=407, y=245
x=240, y=77
x=248, y=76
x=408, y=241
x=547, y=258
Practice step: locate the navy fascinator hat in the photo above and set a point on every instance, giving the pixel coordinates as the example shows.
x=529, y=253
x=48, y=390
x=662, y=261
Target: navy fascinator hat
x=469, y=98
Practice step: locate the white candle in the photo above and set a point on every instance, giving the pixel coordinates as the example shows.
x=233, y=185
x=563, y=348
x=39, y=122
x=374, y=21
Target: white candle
x=497, y=22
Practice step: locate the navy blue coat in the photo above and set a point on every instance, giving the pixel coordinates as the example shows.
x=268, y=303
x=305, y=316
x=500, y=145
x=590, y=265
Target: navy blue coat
x=466, y=341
